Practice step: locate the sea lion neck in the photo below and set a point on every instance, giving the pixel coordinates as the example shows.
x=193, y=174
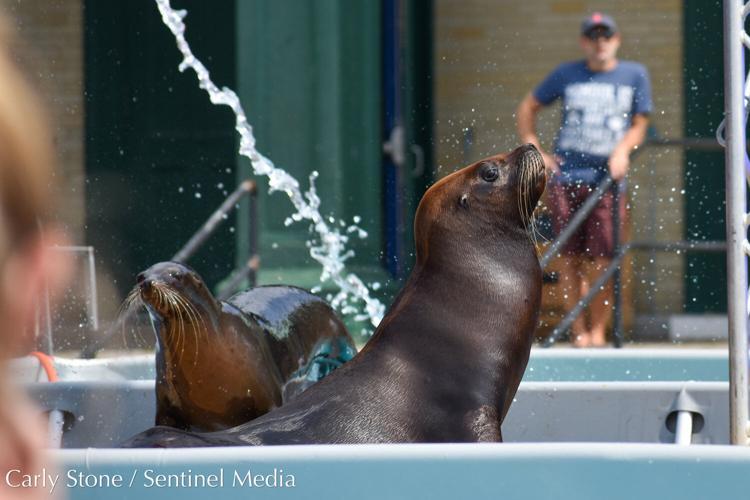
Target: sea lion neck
x=469, y=275
x=488, y=249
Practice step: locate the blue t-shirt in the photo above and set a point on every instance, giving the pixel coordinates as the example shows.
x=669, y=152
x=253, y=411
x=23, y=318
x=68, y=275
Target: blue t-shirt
x=597, y=110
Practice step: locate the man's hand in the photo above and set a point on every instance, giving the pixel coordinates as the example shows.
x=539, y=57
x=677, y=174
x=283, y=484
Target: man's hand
x=619, y=162
x=551, y=163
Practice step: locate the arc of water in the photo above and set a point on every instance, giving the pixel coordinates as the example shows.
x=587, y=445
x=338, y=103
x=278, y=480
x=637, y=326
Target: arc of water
x=330, y=251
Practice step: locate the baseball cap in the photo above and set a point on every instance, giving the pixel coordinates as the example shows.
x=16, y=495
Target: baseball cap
x=596, y=20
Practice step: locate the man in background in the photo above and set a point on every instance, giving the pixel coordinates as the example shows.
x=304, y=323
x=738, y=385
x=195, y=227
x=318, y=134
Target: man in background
x=605, y=108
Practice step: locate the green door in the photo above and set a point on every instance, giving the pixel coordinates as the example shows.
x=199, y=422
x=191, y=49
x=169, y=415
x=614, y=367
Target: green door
x=705, y=274
x=309, y=79
x=310, y=76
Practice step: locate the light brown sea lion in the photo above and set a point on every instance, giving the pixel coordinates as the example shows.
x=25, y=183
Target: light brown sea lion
x=220, y=364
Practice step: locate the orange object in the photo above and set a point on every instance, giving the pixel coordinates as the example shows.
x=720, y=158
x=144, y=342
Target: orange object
x=48, y=364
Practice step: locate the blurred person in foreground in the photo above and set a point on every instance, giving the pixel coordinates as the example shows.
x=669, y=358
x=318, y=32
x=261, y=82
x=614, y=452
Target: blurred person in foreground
x=27, y=262
x=605, y=108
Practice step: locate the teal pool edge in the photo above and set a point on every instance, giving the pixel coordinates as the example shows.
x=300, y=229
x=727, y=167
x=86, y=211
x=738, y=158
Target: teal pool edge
x=539, y=470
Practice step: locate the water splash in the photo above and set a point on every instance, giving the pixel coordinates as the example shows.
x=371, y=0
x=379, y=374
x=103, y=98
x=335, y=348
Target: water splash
x=329, y=249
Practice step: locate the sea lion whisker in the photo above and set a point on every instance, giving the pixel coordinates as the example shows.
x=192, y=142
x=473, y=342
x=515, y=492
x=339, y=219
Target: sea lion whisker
x=528, y=179
x=159, y=303
x=175, y=327
x=192, y=317
x=523, y=195
x=527, y=206
x=186, y=316
x=159, y=294
x=520, y=198
x=131, y=299
x=198, y=331
x=180, y=331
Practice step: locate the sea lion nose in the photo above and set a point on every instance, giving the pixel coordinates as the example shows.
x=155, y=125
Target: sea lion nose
x=144, y=283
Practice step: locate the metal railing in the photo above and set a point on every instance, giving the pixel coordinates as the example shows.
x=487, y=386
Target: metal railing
x=736, y=168
x=246, y=271
x=612, y=271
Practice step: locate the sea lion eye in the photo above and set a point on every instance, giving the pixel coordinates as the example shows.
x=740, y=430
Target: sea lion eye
x=490, y=173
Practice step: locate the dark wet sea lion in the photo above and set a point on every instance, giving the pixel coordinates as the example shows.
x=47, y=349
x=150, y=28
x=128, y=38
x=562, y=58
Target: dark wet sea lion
x=445, y=362
x=220, y=364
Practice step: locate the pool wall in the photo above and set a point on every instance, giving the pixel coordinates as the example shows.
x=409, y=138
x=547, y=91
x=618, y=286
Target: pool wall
x=509, y=471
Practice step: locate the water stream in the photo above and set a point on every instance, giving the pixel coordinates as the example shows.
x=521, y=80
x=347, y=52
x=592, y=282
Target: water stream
x=328, y=246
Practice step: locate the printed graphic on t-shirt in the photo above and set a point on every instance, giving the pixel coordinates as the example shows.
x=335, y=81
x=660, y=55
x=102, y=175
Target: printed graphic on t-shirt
x=596, y=116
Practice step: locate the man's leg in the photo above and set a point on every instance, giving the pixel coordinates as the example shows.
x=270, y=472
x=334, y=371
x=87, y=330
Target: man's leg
x=572, y=283
x=601, y=305
x=601, y=244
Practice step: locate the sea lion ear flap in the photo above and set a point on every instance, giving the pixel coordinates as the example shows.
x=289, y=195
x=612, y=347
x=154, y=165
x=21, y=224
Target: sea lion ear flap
x=463, y=201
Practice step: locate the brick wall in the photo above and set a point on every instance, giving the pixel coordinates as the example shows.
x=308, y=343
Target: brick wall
x=50, y=44
x=489, y=54
x=49, y=37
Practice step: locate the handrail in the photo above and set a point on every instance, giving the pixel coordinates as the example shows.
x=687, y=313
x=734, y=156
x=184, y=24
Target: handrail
x=683, y=246
x=613, y=270
x=246, y=188
x=594, y=289
x=578, y=218
x=617, y=278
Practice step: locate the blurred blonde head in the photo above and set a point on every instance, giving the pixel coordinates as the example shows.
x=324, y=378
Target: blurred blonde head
x=26, y=153
x=27, y=264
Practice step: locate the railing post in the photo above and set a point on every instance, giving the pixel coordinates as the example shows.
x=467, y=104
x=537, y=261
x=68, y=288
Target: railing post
x=616, y=279
x=734, y=107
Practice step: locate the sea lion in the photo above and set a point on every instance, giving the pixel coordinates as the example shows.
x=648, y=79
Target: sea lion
x=220, y=364
x=445, y=362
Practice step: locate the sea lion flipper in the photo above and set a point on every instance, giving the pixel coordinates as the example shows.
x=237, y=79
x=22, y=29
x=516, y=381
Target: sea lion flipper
x=485, y=424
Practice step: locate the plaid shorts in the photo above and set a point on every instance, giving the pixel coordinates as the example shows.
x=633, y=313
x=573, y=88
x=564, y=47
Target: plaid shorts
x=594, y=236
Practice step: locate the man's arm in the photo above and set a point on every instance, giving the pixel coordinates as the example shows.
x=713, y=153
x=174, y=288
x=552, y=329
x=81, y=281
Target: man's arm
x=619, y=160
x=526, y=126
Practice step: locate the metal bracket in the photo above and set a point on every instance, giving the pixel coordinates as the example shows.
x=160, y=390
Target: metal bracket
x=395, y=146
